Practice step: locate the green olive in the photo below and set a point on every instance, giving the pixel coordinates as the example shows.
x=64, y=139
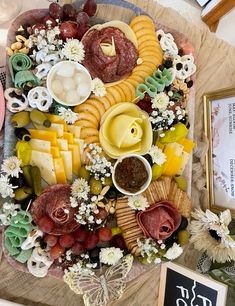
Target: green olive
x=84, y=173
x=23, y=193
x=20, y=119
x=108, y=181
x=95, y=186
x=36, y=176
x=27, y=175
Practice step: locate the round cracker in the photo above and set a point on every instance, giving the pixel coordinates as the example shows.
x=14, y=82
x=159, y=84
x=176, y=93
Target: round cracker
x=121, y=92
x=104, y=101
x=132, y=90
x=115, y=93
x=98, y=105
x=133, y=82
x=144, y=32
x=87, y=132
x=151, y=59
x=143, y=70
x=88, y=117
x=126, y=90
x=141, y=19
x=137, y=78
x=85, y=123
x=149, y=43
x=92, y=139
x=147, y=38
x=85, y=107
x=110, y=98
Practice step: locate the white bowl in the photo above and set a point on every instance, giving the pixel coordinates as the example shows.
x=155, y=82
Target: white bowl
x=51, y=75
x=144, y=186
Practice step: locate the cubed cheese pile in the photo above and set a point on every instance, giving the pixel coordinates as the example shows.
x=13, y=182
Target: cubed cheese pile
x=56, y=150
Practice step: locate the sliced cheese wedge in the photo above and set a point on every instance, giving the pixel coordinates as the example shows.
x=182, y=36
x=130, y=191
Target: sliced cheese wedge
x=75, y=149
x=56, y=119
x=60, y=171
x=75, y=130
x=55, y=152
x=81, y=143
x=69, y=137
x=55, y=127
x=40, y=145
x=44, y=135
x=44, y=162
x=68, y=164
x=63, y=144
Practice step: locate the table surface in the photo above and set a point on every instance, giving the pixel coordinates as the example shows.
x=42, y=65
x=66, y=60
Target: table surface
x=214, y=70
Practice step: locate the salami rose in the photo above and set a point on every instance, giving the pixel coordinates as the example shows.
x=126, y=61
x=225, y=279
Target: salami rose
x=159, y=221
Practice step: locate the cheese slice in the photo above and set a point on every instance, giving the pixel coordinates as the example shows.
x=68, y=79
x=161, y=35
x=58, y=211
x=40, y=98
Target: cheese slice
x=40, y=145
x=81, y=143
x=60, y=171
x=68, y=164
x=69, y=137
x=55, y=127
x=56, y=119
x=75, y=130
x=185, y=158
x=44, y=162
x=63, y=144
x=44, y=135
x=55, y=152
x=75, y=149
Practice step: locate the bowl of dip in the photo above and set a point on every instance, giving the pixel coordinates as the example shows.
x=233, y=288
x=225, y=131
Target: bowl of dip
x=69, y=83
x=132, y=174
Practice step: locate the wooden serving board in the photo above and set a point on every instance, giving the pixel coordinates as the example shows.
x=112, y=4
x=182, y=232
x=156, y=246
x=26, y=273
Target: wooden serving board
x=124, y=11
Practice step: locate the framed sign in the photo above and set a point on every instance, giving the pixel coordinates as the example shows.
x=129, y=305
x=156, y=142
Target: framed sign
x=180, y=286
x=219, y=119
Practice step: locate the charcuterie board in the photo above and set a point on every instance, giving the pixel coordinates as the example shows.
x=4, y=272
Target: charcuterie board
x=114, y=121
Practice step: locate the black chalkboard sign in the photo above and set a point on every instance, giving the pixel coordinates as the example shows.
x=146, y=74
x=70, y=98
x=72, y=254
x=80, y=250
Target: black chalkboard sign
x=180, y=286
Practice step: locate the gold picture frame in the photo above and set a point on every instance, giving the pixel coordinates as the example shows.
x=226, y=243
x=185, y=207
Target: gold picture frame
x=219, y=112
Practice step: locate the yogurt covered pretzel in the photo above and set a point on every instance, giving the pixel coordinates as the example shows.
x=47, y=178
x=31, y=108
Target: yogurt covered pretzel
x=16, y=100
x=167, y=42
x=40, y=98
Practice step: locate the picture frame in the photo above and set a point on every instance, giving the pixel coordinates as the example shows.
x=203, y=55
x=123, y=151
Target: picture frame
x=219, y=126
x=181, y=286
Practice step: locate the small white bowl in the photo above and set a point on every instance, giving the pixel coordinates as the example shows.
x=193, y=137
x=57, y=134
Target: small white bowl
x=51, y=76
x=144, y=186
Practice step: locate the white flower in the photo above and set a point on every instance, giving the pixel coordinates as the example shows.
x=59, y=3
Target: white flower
x=9, y=210
x=6, y=189
x=74, y=50
x=80, y=189
x=210, y=233
x=73, y=202
x=160, y=101
x=138, y=202
x=98, y=88
x=157, y=261
x=11, y=166
x=67, y=115
x=110, y=256
x=158, y=157
x=173, y=252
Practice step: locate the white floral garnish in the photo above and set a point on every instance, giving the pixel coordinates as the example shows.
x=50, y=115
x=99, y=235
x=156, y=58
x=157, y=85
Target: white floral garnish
x=138, y=202
x=67, y=115
x=80, y=189
x=73, y=50
x=160, y=101
x=110, y=256
x=174, y=252
x=11, y=166
x=80, y=267
x=210, y=233
x=158, y=157
x=98, y=87
x=8, y=211
x=73, y=202
x=6, y=189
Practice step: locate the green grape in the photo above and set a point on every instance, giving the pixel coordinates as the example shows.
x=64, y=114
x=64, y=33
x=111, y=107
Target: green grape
x=95, y=186
x=156, y=171
x=175, y=135
x=84, y=173
x=181, y=181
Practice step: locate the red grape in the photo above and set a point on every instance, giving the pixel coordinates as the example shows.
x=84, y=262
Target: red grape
x=105, y=234
x=118, y=242
x=52, y=21
x=69, y=12
x=81, y=30
x=56, y=251
x=146, y=104
x=45, y=224
x=102, y=214
x=38, y=27
x=51, y=240
x=68, y=29
x=55, y=11
x=91, y=241
x=77, y=248
x=82, y=18
x=90, y=7
x=80, y=235
x=66, y=241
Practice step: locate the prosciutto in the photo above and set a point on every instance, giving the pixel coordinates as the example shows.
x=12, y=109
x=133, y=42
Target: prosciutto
x=54, y=202
x=159, y=221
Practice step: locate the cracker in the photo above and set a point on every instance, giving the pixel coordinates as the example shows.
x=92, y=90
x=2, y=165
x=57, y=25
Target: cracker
x=167, y=182
x=186, y=206
x=98, y=105
x=92, y=139
x=87, y=132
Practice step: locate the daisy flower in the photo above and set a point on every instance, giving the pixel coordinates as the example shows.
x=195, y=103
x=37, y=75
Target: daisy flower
x=110, y=256
x=160, y=101
x=73, y=202
x=11, y=166
x=158, y=157
x=6, y=189
x=210, y=233
x=174, y=252
x=138, y=202
x=80, y=189
x=98, y=88
x=67, y=115
x=74, y=50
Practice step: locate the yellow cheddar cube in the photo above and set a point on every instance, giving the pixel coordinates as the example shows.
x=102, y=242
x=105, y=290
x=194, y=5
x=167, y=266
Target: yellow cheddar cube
x=172, y=167
x=75, y=130
x=69, y=136
x=188, y=144
x=68, y=164
x=44, y=135
x=76, y=157
x=55, y=152
x=81, y=143
x=40, y=145
x=59, y=171
x=63, y=144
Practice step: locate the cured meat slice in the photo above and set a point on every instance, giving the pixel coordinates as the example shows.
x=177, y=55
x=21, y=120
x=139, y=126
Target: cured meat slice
x=159, y=221
x=54, y=202
x=109, y=68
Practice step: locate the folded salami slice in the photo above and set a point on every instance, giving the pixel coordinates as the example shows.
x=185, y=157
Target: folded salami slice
x=54, y=202
x=159, y=221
